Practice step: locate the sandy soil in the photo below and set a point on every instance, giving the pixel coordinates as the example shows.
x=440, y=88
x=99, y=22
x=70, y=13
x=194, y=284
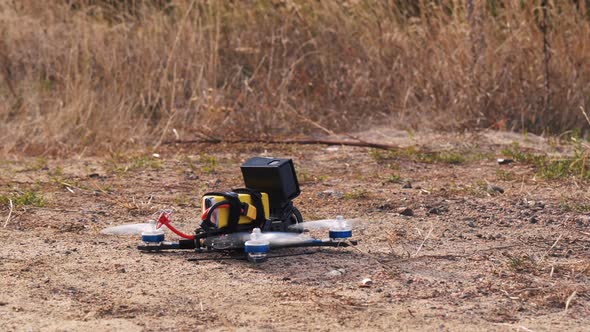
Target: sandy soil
x=468, y=258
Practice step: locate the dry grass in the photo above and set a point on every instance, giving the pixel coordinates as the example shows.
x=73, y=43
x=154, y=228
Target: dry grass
x=87, y=73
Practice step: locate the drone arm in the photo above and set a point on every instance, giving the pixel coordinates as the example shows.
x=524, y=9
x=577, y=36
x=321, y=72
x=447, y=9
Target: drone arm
x=187, y=244
x=182, y=245
x=315, y=243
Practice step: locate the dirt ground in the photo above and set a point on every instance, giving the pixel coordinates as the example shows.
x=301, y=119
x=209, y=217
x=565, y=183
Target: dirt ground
x=469, y=258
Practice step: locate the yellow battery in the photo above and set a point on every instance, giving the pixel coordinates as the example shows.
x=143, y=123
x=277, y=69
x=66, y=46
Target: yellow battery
x=221, y=214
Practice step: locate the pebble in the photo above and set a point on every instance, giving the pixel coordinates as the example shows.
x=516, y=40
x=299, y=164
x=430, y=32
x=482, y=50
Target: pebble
x=366, y=283
x=492, y=188
x=385, y=207
x=405, y=211
x=434, y=210
x=330, y=193
x=335, y=273
x=407, y=185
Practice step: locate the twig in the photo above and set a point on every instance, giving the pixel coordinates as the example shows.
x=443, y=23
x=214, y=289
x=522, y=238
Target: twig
x=422, y=244
x=568, y=301
x=9, y=213
x=314, y=123
x=381, y=146
x=585, y=115
x=553, y=246
x=326, y=130
x=508, y=295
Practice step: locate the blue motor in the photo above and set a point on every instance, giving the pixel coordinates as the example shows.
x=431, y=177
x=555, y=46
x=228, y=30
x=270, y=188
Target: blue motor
x=153, y=236
x=341, y=230
x=256, y=248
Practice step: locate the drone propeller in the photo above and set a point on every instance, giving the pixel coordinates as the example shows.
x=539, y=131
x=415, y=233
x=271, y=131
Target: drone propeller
x=237, y=240
x=282, y=238
x=139, y=229
x=129, y=229
x=332, y=224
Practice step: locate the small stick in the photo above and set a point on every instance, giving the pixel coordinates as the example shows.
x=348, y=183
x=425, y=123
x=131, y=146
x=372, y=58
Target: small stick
x=422, y=244
x=9, y=213
x=568, y=301
x=310, y=141
x=585, y=115
x=553, y=246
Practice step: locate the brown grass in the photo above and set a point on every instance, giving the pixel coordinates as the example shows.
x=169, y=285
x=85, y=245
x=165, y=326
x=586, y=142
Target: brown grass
x=110, y=74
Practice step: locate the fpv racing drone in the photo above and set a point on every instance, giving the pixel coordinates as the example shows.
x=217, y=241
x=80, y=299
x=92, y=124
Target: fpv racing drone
x=252, y=220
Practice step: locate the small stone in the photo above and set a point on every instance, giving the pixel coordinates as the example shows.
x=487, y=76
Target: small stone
x=366, y=283
x=385, y=207
x=335, y=273
x=191, y=176
x=533, y=220
x=495, y=189
x=405, y=211
x=536, y=205
x=471, y=223
x=503, y=161
x=330, y=193
x=407, y=185
x=434, y=210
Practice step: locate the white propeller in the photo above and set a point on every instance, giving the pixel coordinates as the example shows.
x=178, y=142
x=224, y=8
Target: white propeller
x=332, y=224
x=238, y=239
x=129, y=229
x=137, y=229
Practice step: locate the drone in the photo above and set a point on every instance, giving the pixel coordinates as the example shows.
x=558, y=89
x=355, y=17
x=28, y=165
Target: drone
x=249, y=221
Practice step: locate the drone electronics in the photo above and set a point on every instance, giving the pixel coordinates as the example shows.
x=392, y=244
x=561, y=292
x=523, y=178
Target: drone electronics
x=252, y=220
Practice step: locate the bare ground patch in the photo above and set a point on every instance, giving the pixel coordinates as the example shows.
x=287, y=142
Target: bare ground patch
x=468, y=257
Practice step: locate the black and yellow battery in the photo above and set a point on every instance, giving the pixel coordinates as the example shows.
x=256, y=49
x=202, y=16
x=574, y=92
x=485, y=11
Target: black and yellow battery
x=220, y=216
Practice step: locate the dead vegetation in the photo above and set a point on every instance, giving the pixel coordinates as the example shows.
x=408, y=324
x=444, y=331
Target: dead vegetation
x=106, y=74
